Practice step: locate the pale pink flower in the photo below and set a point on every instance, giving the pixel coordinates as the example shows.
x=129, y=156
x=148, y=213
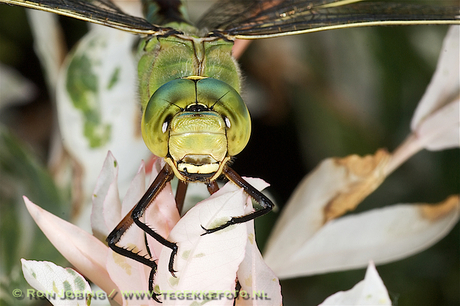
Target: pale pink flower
x=206, y=264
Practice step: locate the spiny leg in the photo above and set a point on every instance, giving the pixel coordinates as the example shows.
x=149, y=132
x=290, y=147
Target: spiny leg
x=165, y=175
x=140, y=208
x=114, y=237
x=259, y=197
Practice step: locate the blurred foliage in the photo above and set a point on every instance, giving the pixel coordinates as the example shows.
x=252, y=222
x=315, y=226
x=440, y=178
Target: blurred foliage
x=311, y=97
x=25, y=132
x=22, y=174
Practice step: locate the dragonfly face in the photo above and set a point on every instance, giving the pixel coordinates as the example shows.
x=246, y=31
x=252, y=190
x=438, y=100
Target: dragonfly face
x=197, y=124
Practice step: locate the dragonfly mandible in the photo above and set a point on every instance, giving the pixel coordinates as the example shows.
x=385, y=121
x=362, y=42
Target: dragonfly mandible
x=193, y=115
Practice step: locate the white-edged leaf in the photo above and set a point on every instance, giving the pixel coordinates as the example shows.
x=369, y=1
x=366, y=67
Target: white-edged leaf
x=98, y=105
x=61, y=286
x=370, y=291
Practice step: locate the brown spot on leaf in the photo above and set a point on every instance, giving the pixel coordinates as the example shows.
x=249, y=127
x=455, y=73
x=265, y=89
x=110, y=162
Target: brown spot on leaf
x=434, y=212
x=122, y=262
x=248, y=281
x=363, y=175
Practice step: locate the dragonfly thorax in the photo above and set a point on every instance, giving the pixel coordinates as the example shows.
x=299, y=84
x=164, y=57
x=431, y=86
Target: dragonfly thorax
x=196, y=124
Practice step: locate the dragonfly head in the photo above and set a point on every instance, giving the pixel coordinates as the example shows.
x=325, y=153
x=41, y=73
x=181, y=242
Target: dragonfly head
x=196, y=124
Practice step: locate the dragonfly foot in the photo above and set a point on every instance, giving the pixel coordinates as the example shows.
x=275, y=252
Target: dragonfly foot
x=218, y=228
x=171, y=260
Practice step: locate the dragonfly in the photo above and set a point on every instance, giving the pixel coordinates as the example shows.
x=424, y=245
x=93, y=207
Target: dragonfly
x=193, y=115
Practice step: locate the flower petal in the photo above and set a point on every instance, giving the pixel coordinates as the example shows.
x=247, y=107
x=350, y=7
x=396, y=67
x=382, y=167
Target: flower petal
x=98, y=107
x=382, y=235
x=106, y=209
x=255, y=277
x=131, y=277
x=239, y=47
x=81, y=249
x=370, y=291
x=335, y=186
x=441, y=130
x=162, y=215
x=205, y=263
x=56, y=283
x=445, y=84
x=135, y=191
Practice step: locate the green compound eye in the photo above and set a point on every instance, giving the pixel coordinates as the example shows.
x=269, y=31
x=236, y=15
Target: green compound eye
x=179, y=97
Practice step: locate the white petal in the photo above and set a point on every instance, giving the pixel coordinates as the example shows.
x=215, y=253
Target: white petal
x=370, y=291
x=81, y=249
x=130, y=277
x=382, y=235
x=162, y=215
x=255, y=277
x=335, y=186
x=207, y=263
x=445, y=84
x=103, y=218
x=441, y=130
x=56, y=283
x=135, y=192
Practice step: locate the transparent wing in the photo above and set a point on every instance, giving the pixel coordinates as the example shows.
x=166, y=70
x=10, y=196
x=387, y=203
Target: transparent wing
x=102, y=12
x=249, y=19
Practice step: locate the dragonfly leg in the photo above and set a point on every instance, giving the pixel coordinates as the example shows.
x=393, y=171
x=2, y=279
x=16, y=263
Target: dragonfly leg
x=258, y=196
x=153, y=271
x=237, y=291
x=165, y=175
x=212, y=187
x=180, y=195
